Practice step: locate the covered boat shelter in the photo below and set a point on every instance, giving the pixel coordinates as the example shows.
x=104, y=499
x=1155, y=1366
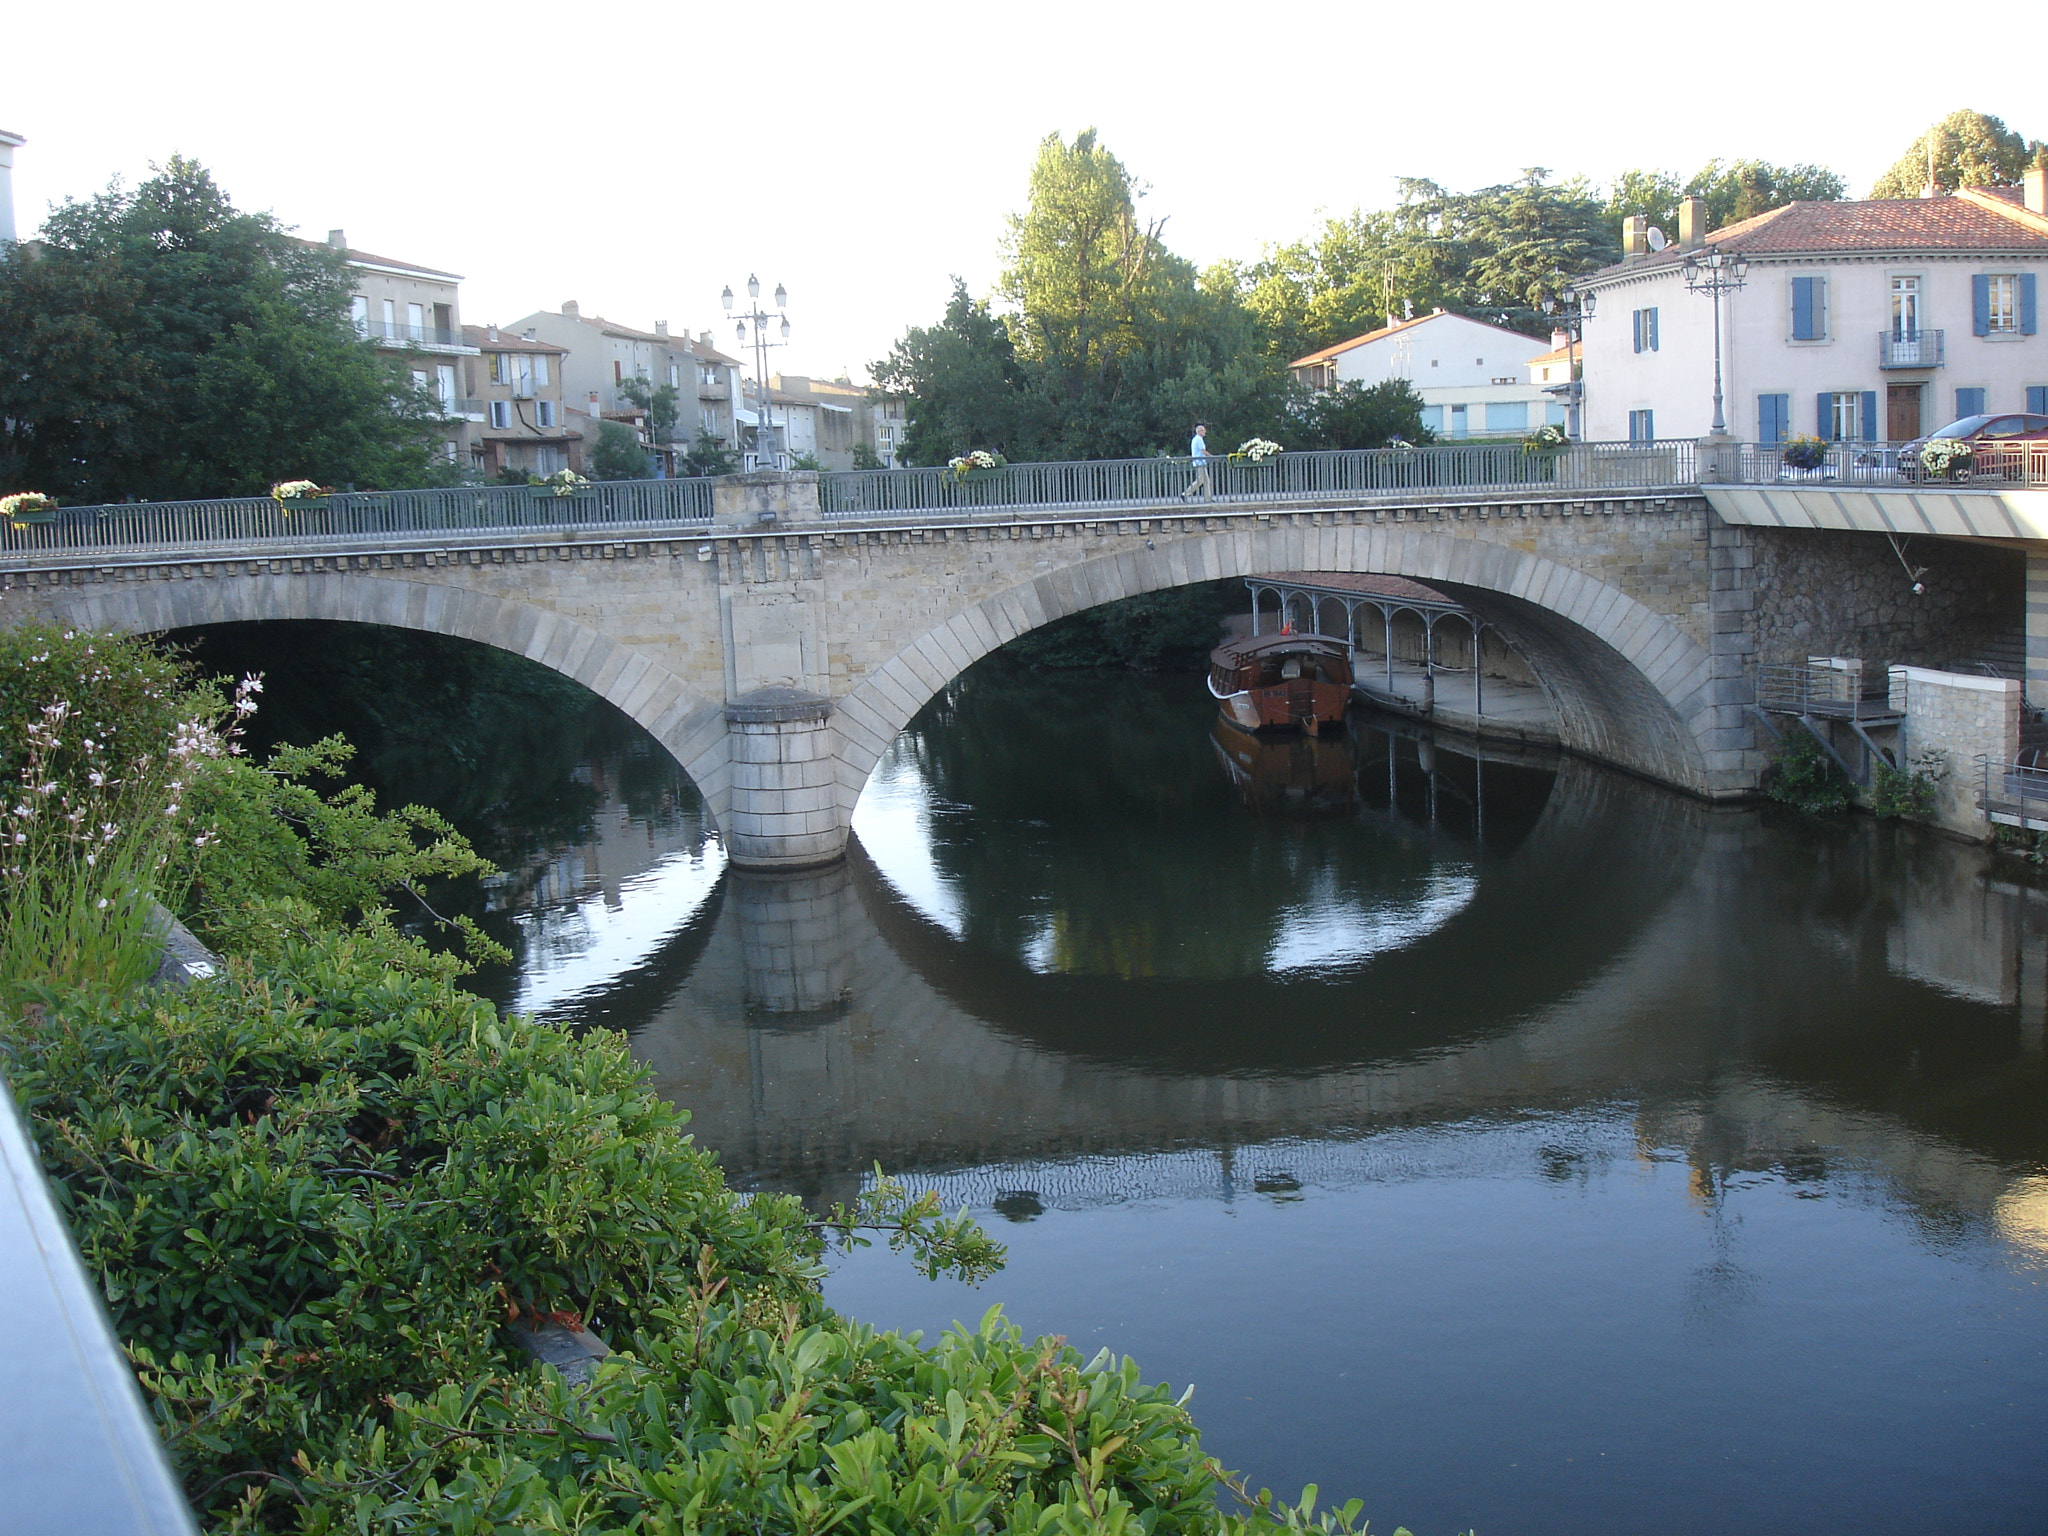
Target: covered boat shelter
x=1306, y=592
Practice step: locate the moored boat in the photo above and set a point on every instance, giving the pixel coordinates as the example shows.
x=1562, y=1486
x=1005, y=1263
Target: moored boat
x=1282, y=682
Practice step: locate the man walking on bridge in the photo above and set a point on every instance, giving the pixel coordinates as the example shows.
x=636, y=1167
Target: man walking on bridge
x=1198, y=450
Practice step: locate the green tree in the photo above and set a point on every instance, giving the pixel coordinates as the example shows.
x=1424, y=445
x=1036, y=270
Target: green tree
x=1970, y=149
x=658, y=401
x=964, y=383
x=1355, y=415
x=161, y=344
x=1526, y=235
x=618, y=454
x=709, y=456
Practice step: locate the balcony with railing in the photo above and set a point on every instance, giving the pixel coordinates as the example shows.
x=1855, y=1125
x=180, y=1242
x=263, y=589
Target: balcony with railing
x=423, y=337
x=1910, y=349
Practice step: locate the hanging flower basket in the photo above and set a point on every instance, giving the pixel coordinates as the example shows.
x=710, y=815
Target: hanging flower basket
x=978, y=465
x=1804, y=453
x=298, y=495
x=1947, y=458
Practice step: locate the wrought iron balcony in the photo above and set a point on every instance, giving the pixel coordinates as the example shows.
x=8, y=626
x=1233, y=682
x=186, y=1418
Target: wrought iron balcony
x=1910, y=349
x=412, y=335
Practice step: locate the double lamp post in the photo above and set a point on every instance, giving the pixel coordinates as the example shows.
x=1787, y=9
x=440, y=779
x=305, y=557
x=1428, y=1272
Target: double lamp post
x=764, y=435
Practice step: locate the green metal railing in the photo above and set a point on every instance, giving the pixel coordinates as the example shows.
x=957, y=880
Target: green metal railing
x=1392, y=472
x=359, y=516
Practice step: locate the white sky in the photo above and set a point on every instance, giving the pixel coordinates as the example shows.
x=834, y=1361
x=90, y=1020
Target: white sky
x=638, y=157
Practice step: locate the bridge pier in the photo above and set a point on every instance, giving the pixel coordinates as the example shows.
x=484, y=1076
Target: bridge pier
x=783, y=812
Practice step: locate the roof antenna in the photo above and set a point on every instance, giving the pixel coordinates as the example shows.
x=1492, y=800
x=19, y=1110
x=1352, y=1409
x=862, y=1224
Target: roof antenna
x=1913, y=572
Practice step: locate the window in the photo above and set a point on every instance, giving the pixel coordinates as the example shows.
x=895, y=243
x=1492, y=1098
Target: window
x=1507, y=416
x=675, y=376
x=2037, y=399
x=2002, y=304
x=1969, y=402
x=1642, y=426
x=1905, y=308
x=416, y=322
x=540, y=369
x=1809, y=309
x=1646, y=330
x=498, y=368
x=1459, y=419
x=544, y=413
x=501, y=415
x=359, y=314
x=1433, y=417
x=1843, y=414
x=1773, y=418
x=1553, y=414
x=390, y=320
x=444, y=386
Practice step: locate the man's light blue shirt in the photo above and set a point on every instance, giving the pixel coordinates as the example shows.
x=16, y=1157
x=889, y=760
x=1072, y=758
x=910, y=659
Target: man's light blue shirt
x=1198, y=448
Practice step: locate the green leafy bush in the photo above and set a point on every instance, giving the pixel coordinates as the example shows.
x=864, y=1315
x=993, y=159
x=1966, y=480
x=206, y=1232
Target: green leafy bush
x=1904, y=792
x=1801, y=774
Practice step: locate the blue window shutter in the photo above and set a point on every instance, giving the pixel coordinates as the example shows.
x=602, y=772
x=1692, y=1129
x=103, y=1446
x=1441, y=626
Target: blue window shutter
x=1802, y=309
x=1824, y=417
x=1638, y=323
x=1980, y=303
x=2027, y=304
x=1653, y=330
x=1772, y=412
x=1969, y=402
x=1870, y=433
x=2037, y=399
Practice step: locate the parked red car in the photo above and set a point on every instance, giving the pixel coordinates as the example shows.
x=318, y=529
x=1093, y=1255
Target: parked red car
x=2009, y=446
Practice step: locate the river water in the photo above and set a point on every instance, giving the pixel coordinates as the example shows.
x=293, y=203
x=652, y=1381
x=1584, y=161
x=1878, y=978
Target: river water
x=1492, y=1137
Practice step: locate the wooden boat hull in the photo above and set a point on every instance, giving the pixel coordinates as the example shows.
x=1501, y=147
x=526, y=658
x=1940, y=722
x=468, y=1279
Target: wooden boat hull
x=1282, y=682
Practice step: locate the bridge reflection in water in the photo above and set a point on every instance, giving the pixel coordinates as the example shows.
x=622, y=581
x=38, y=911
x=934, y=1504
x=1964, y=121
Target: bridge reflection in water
x=1536, y=935
x=1661, y=1160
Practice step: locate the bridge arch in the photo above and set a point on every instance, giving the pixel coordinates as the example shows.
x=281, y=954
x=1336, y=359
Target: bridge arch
x=690, y=727
x=1630, y=687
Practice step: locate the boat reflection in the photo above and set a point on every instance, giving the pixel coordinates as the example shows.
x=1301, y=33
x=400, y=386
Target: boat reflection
x=1288, y=775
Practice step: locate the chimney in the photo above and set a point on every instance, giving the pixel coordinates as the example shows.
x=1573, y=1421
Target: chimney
x=704, y=337
x=338, y=239
x=491, y=331
x=1635, y=237
x=661, y=328
x=570, y=309
x=1559, y=335
x=595, y=410
x=1692, y=223
x=528, y=333
x=2034, y=188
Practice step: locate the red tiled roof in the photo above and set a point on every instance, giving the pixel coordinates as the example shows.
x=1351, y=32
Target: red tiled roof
x=480, y=336
x=1366, y=586
x=1966, y=222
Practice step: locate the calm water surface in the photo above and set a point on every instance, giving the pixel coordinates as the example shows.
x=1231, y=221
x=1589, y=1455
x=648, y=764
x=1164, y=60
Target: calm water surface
x=1502, y=1141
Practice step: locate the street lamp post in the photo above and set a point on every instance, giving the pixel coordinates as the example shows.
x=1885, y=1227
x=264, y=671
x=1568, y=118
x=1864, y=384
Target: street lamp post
x=1714, y=272
x=759, y=319
x=1571, y=309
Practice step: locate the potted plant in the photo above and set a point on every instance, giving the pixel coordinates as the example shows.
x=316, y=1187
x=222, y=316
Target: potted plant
x=1947, y=458
x=26, y=507
x=977, y=465
x=297, y=495
x=1256, y=453
x=563, y=482
x=1803, y=453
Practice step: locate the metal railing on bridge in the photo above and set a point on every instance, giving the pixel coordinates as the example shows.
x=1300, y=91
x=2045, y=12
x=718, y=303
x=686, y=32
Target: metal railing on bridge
x=346, y=516
x=1390, y=472
x=1577, y=470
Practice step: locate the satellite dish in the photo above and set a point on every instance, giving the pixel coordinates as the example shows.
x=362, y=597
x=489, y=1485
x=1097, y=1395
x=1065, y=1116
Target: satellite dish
x=1657, y=240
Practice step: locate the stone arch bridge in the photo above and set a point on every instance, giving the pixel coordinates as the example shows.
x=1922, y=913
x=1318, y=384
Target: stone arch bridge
x=777, y=659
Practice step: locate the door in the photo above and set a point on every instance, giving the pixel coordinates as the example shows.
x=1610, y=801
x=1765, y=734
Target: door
x=1901, y=412
x=1905, y=308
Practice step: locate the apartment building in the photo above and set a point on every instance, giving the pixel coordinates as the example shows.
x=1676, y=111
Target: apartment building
x=514, y=384
x=598, y=356
x=1875, y=320
x=415, y=312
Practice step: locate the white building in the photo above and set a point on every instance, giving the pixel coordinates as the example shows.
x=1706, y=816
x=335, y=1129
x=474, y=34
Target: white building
x=1867, y=320
x=1473, y=377
x=413, y=310
x=9, y=143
